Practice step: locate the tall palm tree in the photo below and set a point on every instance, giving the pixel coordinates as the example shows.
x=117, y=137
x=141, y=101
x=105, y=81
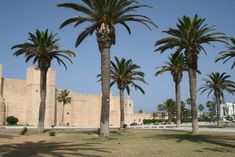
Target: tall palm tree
x=103, y=16
x=218, y=83
x=124, y=73
x=190, y=37
x=229, y=54
x=176, y=66
x=63, y=96
x=42, y=49
x=170, y=107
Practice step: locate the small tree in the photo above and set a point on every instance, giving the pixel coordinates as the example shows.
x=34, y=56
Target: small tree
x=64, y=97
x=170, y=107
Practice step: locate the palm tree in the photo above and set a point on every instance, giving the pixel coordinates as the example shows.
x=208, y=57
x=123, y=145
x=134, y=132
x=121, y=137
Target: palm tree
x=103, y=16
x=176, y=66
x=190, y=37
x=186, y=114
x=155, y=115
x=229, y=54
x=201, y=107
x=170, y=107
x=218, y=83
x=124, y=73
x=42, y=49
x=63, y=96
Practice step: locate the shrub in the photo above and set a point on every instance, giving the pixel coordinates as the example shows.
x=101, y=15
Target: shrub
x=124, y=126
x=11, y=120
x=229, y=118
x=133, y=124
x=52, y=133
x=151, y=121
x=24, y=131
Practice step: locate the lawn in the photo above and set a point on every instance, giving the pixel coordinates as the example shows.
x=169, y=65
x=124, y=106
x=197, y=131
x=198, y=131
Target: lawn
x=133, y=143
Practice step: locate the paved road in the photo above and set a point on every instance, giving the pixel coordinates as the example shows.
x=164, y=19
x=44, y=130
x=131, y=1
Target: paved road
x=157, y=127
x=201, y=129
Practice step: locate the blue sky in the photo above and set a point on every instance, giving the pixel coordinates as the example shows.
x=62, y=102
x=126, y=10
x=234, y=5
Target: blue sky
x=20, y=17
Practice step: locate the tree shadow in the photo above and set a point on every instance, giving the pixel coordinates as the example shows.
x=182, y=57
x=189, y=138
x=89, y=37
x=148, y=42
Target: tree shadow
x=55, y=149
x=6, y=136
x=226, y=142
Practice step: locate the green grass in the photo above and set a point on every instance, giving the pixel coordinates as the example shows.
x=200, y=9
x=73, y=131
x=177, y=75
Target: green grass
x=133, y=143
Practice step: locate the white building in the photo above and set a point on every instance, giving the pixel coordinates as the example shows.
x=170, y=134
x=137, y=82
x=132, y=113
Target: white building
x=227, y=109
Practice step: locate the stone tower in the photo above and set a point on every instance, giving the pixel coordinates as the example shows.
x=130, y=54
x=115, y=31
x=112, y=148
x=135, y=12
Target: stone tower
x=33, y=96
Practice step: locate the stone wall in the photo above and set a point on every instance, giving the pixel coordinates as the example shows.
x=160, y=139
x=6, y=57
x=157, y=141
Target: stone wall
x=22, y=99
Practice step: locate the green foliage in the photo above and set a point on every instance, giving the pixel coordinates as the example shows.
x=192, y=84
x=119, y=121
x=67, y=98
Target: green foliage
x=201, y=107
x=124, y=126
x=151, y=121
x=229, y=54
x=52, y=133
x=133, y=124
x=63, y=96
x=229, y=118
x=218, y=83
x=11, y=120
x=104, y=15
x=203, y=118
x=125, y=74
x=42, y=48
x=176, y=65
x=210, y=106
x=24, y=131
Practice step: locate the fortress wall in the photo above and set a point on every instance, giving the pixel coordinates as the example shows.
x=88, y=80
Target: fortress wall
x=14, y=95
x=33, y=96
x=114, y=111
x=85, y=110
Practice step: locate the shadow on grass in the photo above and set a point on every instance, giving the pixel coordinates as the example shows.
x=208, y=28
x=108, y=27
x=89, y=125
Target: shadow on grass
x=55, y=149
x=223, y=141
x=6, y=136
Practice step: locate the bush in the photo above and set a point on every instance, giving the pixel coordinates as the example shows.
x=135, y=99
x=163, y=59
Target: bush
x=133, y=124
x=229, y=118
x=151, y=121
x=11, y=120
x=52, y=133
x=24, y=131
x=124, y=126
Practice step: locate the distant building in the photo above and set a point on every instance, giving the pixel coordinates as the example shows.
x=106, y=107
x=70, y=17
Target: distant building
x=227, y=109
x=21, y=98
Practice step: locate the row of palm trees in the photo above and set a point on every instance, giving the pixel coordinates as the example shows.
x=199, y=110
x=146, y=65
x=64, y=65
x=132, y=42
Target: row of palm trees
x=189, y=38
x=103, y=16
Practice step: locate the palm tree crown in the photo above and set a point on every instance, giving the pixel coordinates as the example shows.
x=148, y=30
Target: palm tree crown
x=42, y=48
x=218, y=83
x=124, y=73
x=229, y=54
x=176, y=65
x=170, y=107
x=103, y=15
x=64, y=97
x=189, y=36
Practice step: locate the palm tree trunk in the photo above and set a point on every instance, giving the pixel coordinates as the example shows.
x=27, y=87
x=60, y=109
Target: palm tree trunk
x=193, y=95
x=178, y=104
x=62, y=120
x=217, y=96
x=169, y=117
x=42, y=107
x=105, y=83
x=122, y=116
